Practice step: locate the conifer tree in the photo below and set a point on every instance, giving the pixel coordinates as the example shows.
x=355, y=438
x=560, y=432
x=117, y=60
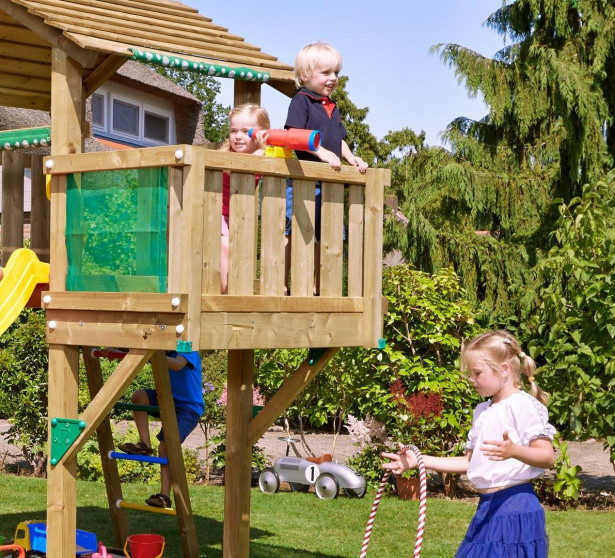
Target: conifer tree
x=549, y=130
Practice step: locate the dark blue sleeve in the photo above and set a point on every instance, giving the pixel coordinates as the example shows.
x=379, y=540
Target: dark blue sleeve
x=298, y=112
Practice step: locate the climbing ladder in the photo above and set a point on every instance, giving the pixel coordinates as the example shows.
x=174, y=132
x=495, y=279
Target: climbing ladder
x=117, y=504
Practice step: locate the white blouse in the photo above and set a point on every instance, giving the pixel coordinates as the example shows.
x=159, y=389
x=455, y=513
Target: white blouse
x=525, y=419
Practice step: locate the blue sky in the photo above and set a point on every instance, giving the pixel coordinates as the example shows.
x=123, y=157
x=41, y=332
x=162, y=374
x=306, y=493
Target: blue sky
x=385, y=45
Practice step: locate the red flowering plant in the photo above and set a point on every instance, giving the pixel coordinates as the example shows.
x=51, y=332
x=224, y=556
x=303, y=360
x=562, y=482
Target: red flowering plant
x=421, y=421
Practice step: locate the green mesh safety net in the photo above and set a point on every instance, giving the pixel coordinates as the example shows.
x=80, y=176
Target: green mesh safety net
x=215, y=70
x=116, y=231
x=24, y=138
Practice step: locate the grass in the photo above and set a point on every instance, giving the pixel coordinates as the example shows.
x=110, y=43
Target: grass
x=301, y=525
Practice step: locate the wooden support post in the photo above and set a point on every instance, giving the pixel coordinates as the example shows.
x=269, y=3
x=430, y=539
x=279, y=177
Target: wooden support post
x=246, y=92
x=62, y=478
x=236, y=539
x=242, y=265
x=12, y=203
x=105, y=444
x=39, y=220
x=372, y=285
x=192, y=241
x=187, y=531
x=67, y=111
x=67, y=115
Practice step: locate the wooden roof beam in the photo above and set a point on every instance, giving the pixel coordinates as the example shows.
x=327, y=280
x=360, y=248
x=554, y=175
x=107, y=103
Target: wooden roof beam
x=103, y=72
x=287, y=88
x=54, y=37
x=25, y=99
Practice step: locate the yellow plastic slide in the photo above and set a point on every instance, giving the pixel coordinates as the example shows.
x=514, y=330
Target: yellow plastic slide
x=22, y=273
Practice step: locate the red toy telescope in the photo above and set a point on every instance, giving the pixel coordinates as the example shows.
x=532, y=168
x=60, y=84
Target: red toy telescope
x=302, y=140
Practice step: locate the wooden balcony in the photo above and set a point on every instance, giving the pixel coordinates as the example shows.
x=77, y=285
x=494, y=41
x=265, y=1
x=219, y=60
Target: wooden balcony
x=255, y=313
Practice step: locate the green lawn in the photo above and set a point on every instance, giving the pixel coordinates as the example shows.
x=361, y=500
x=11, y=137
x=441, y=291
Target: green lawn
x=301, y=525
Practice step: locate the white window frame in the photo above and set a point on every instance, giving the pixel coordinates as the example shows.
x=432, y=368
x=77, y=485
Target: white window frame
x=112, y=92
x=157, y=111
x=138, y=137
x=105, y=111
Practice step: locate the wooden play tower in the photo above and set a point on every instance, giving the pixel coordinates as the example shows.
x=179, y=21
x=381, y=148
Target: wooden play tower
x=188, y=311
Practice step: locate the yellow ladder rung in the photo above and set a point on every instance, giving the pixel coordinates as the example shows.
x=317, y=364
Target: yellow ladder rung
x=143, y=507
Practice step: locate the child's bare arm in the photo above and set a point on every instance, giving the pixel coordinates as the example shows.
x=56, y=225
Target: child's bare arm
x=538, y=454
x=352, y=159
x=405, y=460
x=176, y=363
x=327, y=156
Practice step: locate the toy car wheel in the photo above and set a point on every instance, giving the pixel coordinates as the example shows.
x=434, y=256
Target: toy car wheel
x=355, y=492
x=326, y=486
x=269, y=481
x=299, y=487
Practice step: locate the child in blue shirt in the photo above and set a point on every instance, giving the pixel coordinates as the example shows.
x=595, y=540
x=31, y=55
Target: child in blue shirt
x=317, y=67
x=186, y=377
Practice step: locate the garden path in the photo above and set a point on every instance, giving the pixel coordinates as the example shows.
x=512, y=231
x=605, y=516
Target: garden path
x=597, y=474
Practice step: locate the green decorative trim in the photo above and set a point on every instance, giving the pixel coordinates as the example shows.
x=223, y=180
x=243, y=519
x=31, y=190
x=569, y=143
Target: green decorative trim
x=64, y=432
x=214, y=70
x=26, y=137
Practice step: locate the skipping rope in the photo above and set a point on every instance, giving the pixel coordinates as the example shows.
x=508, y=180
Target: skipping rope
x=422, y=506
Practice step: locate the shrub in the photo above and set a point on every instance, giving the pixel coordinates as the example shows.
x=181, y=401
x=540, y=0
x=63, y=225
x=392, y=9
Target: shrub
x=23, y=386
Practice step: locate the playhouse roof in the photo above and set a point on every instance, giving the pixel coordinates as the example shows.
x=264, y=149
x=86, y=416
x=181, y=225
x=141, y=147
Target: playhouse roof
x=99, y=34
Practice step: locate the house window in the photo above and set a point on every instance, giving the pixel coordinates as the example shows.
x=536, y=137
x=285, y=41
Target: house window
x=156, y=127
x=125, y=115
x=125, y=118
x=98, y=109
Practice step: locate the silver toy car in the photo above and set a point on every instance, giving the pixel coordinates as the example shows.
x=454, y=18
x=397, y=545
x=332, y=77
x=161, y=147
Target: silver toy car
x=326, y=475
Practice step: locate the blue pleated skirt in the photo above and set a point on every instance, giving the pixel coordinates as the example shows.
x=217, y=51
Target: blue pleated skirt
x=509, y=523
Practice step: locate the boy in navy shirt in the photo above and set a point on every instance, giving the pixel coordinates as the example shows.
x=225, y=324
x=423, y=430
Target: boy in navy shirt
x=317, y=67
x=316, y=75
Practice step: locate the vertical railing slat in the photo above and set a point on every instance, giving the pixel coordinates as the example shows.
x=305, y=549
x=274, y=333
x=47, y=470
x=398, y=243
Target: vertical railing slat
x=356, y=203
x=273, y=215
x=332, y=240
x=302, y=239
x=212, y=232
x=176, y=188
x=242, y=223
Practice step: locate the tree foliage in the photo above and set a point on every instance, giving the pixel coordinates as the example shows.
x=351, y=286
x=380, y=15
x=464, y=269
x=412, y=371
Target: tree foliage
x=548, y=130
x=573, y=332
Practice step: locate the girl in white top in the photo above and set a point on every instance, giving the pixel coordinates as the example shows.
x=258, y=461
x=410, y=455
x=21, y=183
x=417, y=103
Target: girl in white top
x=510, y=444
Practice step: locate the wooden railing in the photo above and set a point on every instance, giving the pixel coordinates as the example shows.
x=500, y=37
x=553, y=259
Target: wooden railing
x=255, y=313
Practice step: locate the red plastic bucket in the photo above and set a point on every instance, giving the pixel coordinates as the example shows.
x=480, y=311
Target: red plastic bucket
x=144, y=546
